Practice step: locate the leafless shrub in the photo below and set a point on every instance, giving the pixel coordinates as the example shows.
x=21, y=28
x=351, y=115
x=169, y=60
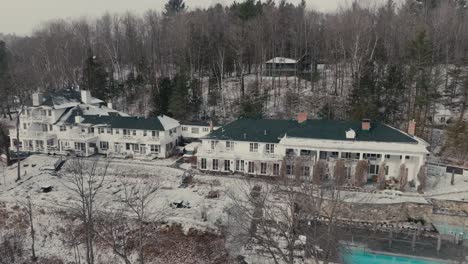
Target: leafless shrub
x=381, y=176
x=403, y=177
x=339, y=173
x=360, y=175
x=422, y=179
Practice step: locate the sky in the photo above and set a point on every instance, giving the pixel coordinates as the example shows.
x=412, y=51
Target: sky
x=20, y=17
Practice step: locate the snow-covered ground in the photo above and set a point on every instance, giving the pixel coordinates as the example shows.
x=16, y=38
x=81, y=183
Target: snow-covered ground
x=204, y=214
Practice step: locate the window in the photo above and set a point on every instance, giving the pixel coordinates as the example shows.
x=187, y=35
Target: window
x=373, y=169
x=346, y=155
x=83, y=130
x=239, y=165
x=127, y=146
x=51, y=128
x=143, y=148
x=289, y=169
x=91, y=130
x=125, y=132
x=229, y=145
x=306, y=152
x=154, y=148
x=276, y=169
x=334, y=154
x=386, y=170
x=387, y=156
x=117, y=131
x=227, y=165
x=290, y=152
x=49, y=112
x=184, y=128
x=213, y=144
x=270, y=148
x=25, y=126
x=155, y=133
x=263, y=168
x=63, y=128
x=100, y=130
x=442, y=119
x=251, y=167
x=203, y=164
x=134, y=132
x=253, y=147
x=306, y=171
x=215, y=164
x=104, y=145
x=205, y=129
x=109, y=130
x=195, y=130
x=79, y=146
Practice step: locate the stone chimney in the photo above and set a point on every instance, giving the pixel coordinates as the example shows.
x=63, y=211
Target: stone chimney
x=412, y=127
x=37, y=99
x=86, y=96
x=301, y=117
x=365, y=125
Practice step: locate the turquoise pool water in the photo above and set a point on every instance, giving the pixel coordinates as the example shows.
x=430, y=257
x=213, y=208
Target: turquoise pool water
x=451, y=230
x=359, y=256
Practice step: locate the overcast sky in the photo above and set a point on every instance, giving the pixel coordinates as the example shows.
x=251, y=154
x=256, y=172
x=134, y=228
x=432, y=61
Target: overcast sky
x=21, y=16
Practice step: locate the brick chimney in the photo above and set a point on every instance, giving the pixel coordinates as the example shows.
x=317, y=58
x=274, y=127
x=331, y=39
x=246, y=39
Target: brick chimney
x=412, y=127
x=301, y=117
x=365, y=125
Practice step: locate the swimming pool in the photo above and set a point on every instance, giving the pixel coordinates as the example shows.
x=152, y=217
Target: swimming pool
x=360, y=256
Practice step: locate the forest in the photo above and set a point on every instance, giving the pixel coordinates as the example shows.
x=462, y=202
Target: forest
x=394, y=62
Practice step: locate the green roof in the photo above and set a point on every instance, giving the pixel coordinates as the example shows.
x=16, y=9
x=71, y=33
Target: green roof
x=270, y=130
x=128, y=122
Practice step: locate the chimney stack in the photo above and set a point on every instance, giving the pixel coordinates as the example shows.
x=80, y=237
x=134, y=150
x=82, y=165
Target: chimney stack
x=78, y=119
x=109, y=105
x=86, y=96
x=301, y=117
x=211, y=125
x=365, y=125
x=412, y=127
x=37, y=99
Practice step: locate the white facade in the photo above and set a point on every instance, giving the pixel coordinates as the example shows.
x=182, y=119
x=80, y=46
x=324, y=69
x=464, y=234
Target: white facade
x=267, y=158
x=59, y=125
x=197, y=130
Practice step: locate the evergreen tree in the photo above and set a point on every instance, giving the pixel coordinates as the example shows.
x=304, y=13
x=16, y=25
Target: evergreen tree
x=96, y=79
x=179, y=103
x=363, y=99
x=161, y=95
x=173, y=7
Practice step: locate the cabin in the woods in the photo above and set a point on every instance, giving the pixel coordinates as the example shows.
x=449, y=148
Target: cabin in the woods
x=281, y=66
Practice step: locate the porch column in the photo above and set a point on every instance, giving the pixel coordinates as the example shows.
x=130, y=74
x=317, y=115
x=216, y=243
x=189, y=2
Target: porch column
x=360, y=155
x=86, y=149
x=34, y=145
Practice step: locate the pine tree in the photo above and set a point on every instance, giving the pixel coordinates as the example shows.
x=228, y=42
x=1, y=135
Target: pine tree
x=179, y=102
x=173, y=7
x=96, y=79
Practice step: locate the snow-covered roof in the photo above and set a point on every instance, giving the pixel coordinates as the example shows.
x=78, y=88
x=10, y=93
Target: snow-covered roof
x=168, y=123
x=282, y=60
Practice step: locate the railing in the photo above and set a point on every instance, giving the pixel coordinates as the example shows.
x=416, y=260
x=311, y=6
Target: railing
x=32, y=134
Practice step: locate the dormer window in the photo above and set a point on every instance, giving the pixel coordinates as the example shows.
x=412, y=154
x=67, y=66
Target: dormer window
x=350, y=134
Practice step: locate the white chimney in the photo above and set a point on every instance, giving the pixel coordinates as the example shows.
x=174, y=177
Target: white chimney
x=78, y=119
x=37, y=99
x=109, y=105
x=86, y=96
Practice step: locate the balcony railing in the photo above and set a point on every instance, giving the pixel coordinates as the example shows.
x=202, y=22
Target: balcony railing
x=32, y=134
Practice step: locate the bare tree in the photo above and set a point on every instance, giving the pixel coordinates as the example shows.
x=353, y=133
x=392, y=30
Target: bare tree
x=29, y=206
x=403, y=177
x=340, y=172
x=422, y=179
x=360, y=174
x=381, y=176
x=286, y=218
x=320, y=170
x=137, y=198
x=18, y=156
x=85, y=179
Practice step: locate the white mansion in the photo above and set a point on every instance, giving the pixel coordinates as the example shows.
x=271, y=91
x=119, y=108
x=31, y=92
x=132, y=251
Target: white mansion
x=259, y=147
x=74, y=122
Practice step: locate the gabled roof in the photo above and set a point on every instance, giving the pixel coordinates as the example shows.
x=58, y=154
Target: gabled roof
x=282, y=60
x=269, y=130
x=198, y=123
x=65, y=98
x=160, y=123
